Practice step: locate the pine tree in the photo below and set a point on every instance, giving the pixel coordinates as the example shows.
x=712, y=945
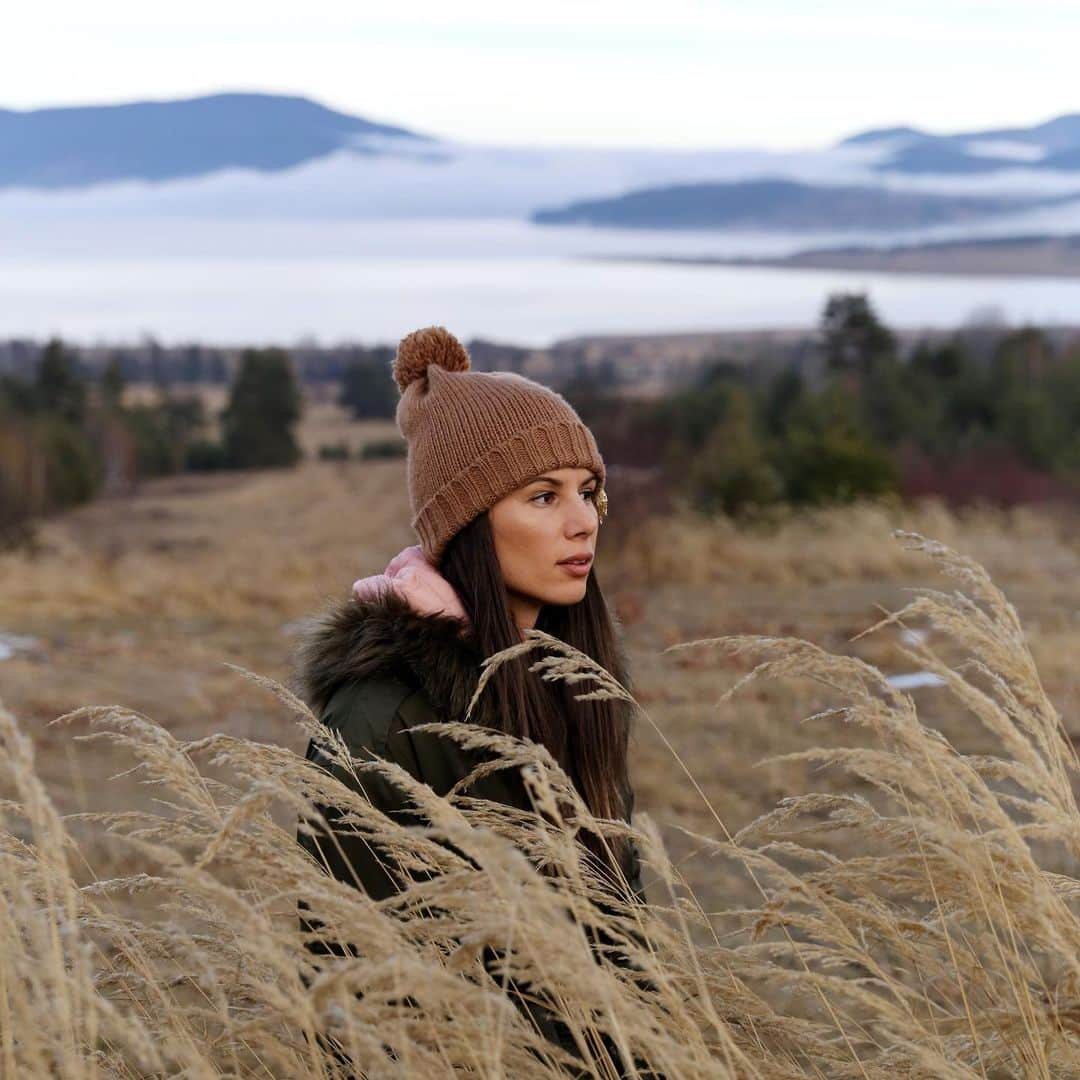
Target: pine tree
x=367, y=390
x=60, y=390
x=264, y=406
x=855, y=340
x=113, y=383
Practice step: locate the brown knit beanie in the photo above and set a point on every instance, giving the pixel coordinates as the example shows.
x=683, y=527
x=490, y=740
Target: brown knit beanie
x=475, y=436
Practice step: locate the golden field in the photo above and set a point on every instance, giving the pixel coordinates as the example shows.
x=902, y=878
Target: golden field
x=143, y=601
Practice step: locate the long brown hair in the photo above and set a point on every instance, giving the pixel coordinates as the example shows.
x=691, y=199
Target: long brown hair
x=589, y=739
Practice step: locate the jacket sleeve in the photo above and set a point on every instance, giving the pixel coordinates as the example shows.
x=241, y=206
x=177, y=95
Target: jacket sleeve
x=374, y=717
x=363, y=713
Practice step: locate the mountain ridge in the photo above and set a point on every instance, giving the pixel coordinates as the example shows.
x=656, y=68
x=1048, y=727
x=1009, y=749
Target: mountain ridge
x=780, y=203
x=235, y=155
x=82, y=145
x=1056, y=143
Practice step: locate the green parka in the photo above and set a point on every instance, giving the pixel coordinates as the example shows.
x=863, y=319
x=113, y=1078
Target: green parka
x=373, y=671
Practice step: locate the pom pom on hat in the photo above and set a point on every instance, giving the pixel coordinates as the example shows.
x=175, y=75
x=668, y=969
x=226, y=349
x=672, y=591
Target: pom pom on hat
x=430, y=345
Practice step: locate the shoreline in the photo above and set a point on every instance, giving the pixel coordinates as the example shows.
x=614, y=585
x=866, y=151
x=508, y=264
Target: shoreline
x=1050, y=257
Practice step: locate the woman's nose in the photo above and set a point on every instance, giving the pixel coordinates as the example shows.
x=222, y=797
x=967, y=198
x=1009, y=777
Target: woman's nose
x=583, y=520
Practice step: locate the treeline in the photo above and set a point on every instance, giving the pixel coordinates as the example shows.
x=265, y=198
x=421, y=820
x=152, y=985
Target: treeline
x=997, y=419
x=65, y=437
x=180, y=365
x=987, y=412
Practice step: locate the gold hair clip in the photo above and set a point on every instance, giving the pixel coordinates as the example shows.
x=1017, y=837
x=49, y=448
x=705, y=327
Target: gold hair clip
x=601, y=504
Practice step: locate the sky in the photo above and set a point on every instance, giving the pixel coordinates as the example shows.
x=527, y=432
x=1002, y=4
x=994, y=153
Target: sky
x=769, y=74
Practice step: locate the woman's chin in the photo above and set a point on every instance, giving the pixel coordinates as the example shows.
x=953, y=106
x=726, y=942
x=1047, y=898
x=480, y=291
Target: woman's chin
x=573, y=592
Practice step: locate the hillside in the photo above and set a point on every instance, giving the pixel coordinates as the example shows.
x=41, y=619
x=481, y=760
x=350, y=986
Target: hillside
x=782, y=204
x=168, y=140
x=1048, y=147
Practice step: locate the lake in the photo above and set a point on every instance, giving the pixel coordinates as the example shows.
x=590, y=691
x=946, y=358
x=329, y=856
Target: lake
x=255, y=282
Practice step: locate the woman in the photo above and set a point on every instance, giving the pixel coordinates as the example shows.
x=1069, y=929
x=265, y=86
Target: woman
x=506, y=488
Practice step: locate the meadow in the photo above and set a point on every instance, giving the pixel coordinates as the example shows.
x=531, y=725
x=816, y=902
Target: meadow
x=915, y=916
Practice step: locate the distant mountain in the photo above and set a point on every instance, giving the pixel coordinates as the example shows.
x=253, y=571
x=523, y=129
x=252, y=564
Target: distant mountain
x=781, y=204
x=168, y=140
x=1053, y=145
x=876, y=135
x=236, y=157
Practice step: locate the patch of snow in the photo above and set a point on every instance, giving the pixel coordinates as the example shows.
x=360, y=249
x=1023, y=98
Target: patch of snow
x=13, y=644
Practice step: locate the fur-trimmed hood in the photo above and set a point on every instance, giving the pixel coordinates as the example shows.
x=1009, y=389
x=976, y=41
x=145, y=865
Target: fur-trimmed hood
x=352, y=639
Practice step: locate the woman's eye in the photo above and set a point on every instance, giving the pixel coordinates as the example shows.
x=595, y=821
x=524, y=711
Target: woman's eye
x=543, y=495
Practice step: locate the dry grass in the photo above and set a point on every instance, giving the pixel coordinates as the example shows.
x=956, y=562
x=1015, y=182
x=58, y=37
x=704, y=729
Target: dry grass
x=927, y=928
x=922, y=930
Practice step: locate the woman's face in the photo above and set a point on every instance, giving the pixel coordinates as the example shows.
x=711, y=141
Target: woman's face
x=549, y=519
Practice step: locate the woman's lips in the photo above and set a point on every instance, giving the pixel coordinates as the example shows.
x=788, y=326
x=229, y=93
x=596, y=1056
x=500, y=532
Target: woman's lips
x=576, y=569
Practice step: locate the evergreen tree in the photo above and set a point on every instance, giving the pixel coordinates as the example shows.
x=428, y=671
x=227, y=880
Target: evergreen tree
x=827, y=455
x=1023, y=356
x=17, y=395
x=367, y=390
x=779, y=400
x=73, y=467
x=892, y=406
x=264, y=406
x=1063, y=388
x=113, y=384
x=60, y=390
x=217, y=372
x=855, y=340
x=730, y=471
x=941, y=363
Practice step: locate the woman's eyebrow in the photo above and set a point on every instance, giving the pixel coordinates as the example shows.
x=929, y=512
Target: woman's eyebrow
x=557, y=482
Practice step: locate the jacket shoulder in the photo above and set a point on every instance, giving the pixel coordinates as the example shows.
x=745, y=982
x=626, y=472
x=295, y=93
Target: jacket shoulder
x=365, y=711
x=379, y=715
x=352, y=640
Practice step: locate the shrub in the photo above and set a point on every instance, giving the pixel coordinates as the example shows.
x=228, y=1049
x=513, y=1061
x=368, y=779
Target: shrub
x=338, y=451
x=72, y=467
x=153, y=447
x=384, y=448
x=204, y=455
x=834, y=466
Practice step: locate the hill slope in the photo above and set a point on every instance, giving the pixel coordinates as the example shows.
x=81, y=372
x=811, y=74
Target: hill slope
x=166, y=140
x=783, y=204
